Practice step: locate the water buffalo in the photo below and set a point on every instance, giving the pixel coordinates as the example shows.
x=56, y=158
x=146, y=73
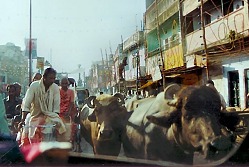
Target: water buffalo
x=105, y=123
x=178, y=123
x=134, y=102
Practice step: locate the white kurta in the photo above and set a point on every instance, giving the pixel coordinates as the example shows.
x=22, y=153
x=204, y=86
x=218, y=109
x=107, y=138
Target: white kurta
x=45, y=105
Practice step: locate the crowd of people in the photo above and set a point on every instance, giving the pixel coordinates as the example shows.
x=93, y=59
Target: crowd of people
x=45, y=112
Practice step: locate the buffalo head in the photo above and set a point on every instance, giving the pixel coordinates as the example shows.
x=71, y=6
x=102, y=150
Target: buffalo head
x=108, y=121
x=194, y=120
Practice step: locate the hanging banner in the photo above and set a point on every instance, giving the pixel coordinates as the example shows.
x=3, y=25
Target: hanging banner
x=40, y=63
x=33, y=48
x=156, y=75
x=152, y=63
x=196, y=60
x=173, y=57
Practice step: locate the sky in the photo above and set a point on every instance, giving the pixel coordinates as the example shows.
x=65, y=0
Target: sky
x=71, y=32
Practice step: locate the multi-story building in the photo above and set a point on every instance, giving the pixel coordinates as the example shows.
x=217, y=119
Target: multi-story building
x=190, y=41
x=117, y=59
x=215, y=35
x=164, y=49
x=97, y=77
x=13, y=65
x=134, y=71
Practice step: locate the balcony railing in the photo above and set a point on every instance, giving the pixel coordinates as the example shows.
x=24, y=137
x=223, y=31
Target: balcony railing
x=218, y=32
x=136, y=38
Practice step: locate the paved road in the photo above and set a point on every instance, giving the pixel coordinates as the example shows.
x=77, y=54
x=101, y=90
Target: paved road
x=198, y=159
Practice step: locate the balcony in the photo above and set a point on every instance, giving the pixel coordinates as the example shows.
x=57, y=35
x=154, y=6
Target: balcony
x=159, y=13
x=137, y=38
x=218, y=32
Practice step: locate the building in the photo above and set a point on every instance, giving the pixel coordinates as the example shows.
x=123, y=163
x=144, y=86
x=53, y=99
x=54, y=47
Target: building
x=13, y=66
x=190, y=41
x=187, y=42
x=134, y=70
x=217, y=31
x=164, y=48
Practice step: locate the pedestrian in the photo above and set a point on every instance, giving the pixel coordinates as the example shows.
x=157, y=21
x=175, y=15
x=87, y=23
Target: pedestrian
x=18, y=89
x=4, y=128
x=11, y=101
x=210, y=83
x=66, y=98
x=9, y=150
x=44, y=97
x=67, y=108
x=36, y=77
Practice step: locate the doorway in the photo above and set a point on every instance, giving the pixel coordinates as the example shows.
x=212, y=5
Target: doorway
x=247, y=86
x=233, y=85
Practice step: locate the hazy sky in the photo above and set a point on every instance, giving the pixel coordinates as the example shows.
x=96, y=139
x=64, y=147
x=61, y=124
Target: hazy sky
x=71, y=32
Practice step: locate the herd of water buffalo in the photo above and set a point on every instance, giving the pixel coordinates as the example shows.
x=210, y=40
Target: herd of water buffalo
x=179, y=125
x=173, y=126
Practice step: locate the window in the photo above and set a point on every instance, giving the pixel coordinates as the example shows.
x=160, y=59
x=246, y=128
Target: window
x=165, y=44
x=175, y=40
x=247, y=86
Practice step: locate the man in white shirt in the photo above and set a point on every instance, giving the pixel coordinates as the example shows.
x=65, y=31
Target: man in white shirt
x=42, y=100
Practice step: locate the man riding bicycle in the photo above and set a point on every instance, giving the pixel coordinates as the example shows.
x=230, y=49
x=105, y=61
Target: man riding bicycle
x=42, y=100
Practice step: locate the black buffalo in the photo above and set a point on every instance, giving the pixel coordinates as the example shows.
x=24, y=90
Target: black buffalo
x=177, y=124
x=106, y=119
x=170, y=127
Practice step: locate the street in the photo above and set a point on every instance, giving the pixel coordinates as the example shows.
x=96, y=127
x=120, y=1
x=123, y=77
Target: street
x=198, y=158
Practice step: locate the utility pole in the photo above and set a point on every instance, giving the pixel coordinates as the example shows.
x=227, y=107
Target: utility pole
x=108, y=76
x=103, y=71
x=137, y=64
x=84, y=83
x=204, y=38
x=159, y=42
x=30, y=41
x=114, y=67
x=102, y=57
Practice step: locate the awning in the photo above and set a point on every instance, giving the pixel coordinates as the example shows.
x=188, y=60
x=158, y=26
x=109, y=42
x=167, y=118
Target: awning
x=173, y=75
x=147, y=84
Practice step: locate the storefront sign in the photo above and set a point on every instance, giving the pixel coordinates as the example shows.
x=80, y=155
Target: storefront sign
x=173, y=57
x=195, y=60
x=40, y=63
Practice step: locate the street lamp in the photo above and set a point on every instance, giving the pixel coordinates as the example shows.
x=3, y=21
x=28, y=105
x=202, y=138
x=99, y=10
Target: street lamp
x=30, y=42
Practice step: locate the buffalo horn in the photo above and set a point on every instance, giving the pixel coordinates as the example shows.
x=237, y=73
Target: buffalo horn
x=171, y=90
x=90, y=101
